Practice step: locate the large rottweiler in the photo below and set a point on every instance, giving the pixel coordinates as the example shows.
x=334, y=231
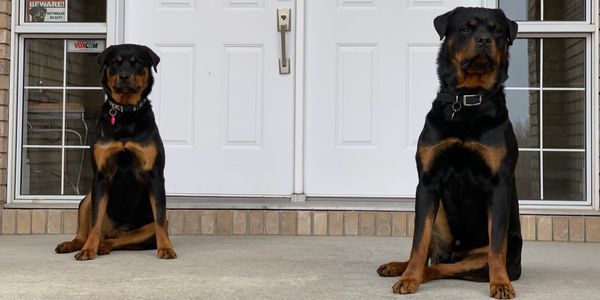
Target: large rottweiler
x=126, y=208
x=466, y=211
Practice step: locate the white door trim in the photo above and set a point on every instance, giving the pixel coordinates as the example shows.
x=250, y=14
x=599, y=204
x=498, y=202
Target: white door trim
x=298, y=195
x=115, y=22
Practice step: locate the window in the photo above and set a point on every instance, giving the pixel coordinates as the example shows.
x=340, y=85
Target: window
x=59, y=95
x=545, y=10
x=549, y=100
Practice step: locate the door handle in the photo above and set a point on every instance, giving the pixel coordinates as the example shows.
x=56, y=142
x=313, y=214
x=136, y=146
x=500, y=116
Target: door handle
x=284, y=25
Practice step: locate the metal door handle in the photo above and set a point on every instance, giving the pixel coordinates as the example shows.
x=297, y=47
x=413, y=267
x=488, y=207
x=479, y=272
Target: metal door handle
x=284, y=25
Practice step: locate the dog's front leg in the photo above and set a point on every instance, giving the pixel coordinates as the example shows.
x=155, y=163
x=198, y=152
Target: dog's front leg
x=158, y=201
x=498, y=220
x=427, y=203
x=99, y=204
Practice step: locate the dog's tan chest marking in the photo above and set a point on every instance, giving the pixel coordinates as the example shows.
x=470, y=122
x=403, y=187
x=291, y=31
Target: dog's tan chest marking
x=145, y=154
x=103, y=152
x=428, y=153
x=491, y=155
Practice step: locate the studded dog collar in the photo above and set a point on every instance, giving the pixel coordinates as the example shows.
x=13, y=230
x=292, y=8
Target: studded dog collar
x=118, y=108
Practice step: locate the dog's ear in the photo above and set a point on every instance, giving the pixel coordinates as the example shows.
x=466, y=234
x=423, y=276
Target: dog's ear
x=513, y=28
x=101, y=58
x=441, y=22
x=153, y=57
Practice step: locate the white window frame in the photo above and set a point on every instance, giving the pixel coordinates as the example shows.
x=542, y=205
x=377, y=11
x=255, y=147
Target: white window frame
x=112, y=31
x=587, y=29
x=588, y=137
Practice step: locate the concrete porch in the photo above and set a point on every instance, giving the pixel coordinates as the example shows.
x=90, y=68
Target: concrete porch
x=271, y=267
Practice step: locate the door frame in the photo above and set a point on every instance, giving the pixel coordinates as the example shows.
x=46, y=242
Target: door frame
x=115, y=33
x=298, y=190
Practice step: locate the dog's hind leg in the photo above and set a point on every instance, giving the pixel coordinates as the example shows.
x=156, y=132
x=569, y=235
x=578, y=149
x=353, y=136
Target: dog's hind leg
x=136, y=239
x=83, y=227
x=472, y=267
x=392, y=269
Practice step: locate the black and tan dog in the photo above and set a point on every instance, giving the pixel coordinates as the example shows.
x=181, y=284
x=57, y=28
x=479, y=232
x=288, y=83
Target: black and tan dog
x=126, y=208
x=466, y=211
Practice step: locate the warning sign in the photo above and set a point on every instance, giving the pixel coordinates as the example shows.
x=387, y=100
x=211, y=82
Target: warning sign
x=46, y=11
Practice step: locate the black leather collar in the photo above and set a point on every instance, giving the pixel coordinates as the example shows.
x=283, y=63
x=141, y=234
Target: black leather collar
x=458, y=101
x=463, y=100
x=116, y=107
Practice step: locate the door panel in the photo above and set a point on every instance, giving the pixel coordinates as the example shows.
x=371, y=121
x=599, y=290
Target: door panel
x=224, y=111
x=370, y=80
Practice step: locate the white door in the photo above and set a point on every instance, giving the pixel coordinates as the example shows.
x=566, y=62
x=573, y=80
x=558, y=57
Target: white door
x=370, y=80
x=224, y=112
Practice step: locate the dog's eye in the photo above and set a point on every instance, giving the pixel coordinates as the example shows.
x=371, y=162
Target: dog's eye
x=466, y=30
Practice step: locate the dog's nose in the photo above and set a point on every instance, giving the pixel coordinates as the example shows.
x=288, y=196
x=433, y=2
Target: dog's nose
x=484, y=40
x=124, y=76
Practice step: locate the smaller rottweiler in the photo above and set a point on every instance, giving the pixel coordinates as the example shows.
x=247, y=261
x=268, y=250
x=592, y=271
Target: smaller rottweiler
x=126, y=208
x=466, y=209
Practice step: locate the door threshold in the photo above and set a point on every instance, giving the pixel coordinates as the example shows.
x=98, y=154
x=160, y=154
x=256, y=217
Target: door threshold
x=285, y=203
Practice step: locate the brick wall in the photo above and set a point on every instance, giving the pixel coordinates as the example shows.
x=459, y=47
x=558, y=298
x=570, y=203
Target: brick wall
x=5, y=11
x=302, y=223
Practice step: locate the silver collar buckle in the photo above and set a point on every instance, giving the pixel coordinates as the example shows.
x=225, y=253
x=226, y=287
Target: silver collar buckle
x=470, y=100
x=467, y=100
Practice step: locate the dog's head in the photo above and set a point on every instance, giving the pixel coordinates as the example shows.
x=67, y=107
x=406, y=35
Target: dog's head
x=475, y=46
x=38, y=13
x=126, y=72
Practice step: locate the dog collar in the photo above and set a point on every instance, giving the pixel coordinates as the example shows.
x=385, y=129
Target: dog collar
x=458, y=101
x=118, y=108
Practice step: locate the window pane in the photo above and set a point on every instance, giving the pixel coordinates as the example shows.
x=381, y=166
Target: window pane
x=528, y=175
x=87, y=10
x=42, y=120
x=521, y=10
x=523, y=109
x=82, y=68
x=564, y=10
x=41, y=172
x=564, y=119
x=554, y=10
x=44, y=62
x=564, y=62
x=524, y=70
x=81, y=116
x=564, y=176
x=45, y=116
x=78, y=174
x=53, y=11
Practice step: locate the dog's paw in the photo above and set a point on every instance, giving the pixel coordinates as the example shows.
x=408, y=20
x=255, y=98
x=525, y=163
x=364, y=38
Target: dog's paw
x=406, y=286
x=502, y=291
x=85, y=254
x=167, y=253
x=70, y=246
x=104, y=248
x=391, y=269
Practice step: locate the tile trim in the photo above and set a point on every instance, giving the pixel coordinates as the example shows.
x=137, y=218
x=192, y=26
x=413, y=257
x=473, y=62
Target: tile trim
x=301, y=223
